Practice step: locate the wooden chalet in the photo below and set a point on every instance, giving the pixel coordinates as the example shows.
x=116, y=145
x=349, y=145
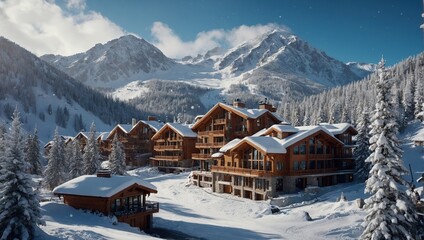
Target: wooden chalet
x=220, y=125
x=136, y=138
x=418, y=139
x=173, y=147
x=121, y=196
x=82, y=138
x=48, y=146
x=285, y=159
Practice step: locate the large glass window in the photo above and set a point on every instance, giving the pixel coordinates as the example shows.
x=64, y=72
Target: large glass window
x=312, y=146
x=279, y=166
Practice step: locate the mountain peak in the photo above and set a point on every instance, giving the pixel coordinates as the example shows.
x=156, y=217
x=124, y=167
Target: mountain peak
x=117, y=59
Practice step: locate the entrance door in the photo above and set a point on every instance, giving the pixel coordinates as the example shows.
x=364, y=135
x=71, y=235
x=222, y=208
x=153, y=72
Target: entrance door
x=279, y=185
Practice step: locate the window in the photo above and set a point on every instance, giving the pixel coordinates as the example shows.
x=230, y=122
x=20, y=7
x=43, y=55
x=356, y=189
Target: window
x=302, y=165
x=296, y=150
x=320, y=164
x=296, y=165
x=268, y=166
x=279, y=166
x=320, y=149
x=311, y=164
x=312, y=146
x=302, y=148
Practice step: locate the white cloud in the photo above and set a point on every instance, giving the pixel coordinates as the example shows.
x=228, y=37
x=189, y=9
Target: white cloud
x=76, y=4
x=41, y=26
x=171, y=44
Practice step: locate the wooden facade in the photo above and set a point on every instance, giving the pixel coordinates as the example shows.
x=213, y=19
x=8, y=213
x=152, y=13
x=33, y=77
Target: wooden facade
x=128, y=204
x=224, y=123
x=136, y=139
x=285, y=162
x=173, y=147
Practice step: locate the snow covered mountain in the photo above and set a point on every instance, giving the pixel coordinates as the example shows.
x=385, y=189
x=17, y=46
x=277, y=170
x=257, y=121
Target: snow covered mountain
x=47, y=97
x=120, y=59
x=276, y=65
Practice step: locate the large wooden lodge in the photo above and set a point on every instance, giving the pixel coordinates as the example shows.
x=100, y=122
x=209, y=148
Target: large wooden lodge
x=285, y=159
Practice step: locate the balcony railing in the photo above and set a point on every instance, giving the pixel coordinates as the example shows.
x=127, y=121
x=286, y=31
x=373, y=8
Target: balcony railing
x=212, y=132
x=167, y=147
x=243, y=171
x=167, y=158
x=149, y=207
x=201, y=156
x=210, y=145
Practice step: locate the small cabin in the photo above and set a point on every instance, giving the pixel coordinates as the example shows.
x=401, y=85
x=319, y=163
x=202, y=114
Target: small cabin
x=121, y=196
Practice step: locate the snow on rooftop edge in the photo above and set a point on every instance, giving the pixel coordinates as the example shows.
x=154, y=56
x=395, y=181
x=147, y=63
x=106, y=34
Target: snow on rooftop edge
x=91, y=185
x=183, y=130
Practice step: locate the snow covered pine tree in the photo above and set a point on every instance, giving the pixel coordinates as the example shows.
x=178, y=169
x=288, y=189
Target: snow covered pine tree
x=117, y=157
x=32, y=153
x=391, y=214
x=362, y=151
x=75, y=160
x=91, y=156
x=54, y=174
x=19, y=201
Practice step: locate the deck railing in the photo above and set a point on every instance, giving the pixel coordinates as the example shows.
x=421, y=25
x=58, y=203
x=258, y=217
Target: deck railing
x=149, y=207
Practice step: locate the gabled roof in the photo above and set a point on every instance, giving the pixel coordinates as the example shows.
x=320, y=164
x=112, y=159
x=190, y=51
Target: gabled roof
x=230, y=145
x=93, y=186
x=98, y=135
x=275, y=145
x=266, y=144
x=279, y=128
x=242, y=112
x=155, y=125
x=181, y=129
x=338, y=128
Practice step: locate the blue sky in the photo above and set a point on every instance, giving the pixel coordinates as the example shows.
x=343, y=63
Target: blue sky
x=348, y=30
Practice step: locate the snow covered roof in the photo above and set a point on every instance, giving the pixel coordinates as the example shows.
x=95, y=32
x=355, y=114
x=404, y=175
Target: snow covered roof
x=251, y=113
x=244, y=112
x=155, y=125
x=93, y=186
x=275, y=145
x=337, y=128
x=304, y=132
x=279, y=128
x=266, y=144
x=229, y=145
x=125, y=127
x=182, y=129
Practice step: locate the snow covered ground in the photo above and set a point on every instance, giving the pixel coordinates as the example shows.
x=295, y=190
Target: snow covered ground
x=202, y=214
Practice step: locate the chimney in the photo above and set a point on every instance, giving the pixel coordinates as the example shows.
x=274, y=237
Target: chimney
x=133, y=121
x=266, y=105
x=151, y=118
x=104, y=173
x=238, y=103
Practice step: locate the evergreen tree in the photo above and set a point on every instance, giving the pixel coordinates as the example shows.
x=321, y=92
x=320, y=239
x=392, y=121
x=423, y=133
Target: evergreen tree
x=76, y=161
x=54, y=174
x=408, y=99
x=19, y=202
x=362, y=151
x=419, y=99
x=117, y=157
x=32, y=153
x=91, y=158
x=391, y=214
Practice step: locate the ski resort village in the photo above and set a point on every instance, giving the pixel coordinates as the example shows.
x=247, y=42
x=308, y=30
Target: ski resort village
x=239, y=119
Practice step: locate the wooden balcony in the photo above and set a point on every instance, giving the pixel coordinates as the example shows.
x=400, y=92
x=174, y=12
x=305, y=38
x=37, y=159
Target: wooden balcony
x=210, y=145
x=149, y=208
x=241, y=171
x=200, y=156
x=213, y=133
x=167, y=147
x=167, y=158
